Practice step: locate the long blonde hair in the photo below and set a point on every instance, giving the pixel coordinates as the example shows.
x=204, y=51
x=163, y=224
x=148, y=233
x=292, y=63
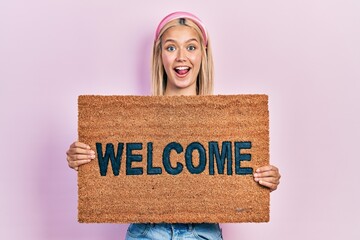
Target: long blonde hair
x=204, y=82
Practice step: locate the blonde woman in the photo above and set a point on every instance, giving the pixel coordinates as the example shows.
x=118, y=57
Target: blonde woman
x=181, y=65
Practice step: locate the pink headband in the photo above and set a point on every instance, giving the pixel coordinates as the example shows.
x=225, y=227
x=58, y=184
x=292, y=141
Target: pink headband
x=177, y=15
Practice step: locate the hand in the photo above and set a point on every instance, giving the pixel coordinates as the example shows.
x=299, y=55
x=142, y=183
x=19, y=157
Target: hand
x=79, y=154
x=268, y=176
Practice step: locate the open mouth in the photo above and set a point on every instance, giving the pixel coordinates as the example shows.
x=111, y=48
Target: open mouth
x=182, y=70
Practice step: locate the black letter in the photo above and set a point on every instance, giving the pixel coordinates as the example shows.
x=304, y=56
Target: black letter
x=109, y=153
x=130, y=157
x=202, y=158
x=242, y=157
x=166, y=158
x=150, y=169
x=220, y=159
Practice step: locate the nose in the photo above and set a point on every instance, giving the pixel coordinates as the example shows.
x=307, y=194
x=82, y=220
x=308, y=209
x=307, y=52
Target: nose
x=181, y=55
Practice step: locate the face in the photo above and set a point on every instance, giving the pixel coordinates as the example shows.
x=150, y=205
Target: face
x=181, y=57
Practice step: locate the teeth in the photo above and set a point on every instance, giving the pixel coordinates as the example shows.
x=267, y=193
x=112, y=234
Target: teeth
x=182, y=68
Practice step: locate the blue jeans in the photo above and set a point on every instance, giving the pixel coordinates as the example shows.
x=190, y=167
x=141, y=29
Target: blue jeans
x=165, y=231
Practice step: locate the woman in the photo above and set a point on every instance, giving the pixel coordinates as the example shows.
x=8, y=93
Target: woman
x=181, y=65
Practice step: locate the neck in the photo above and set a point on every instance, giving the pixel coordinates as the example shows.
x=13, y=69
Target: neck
x=180, y=92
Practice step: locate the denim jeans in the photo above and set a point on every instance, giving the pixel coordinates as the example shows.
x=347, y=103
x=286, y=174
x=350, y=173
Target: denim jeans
x=165, y=231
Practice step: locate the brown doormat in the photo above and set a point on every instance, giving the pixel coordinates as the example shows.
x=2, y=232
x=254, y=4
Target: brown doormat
x=178, y=159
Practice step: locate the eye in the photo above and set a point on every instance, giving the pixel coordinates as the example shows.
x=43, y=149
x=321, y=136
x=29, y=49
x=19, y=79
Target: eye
x=170, y=48
x=191, y=48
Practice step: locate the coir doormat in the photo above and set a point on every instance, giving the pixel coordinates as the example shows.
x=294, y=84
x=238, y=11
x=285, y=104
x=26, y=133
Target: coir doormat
x=178, y=159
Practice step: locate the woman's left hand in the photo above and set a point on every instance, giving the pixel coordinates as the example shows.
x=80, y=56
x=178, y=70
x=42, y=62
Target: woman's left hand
x=268, y=176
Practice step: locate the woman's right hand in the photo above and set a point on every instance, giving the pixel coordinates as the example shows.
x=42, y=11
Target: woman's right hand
x=78, y=154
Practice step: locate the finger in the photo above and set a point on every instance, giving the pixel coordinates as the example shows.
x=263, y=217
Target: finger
x=79, y=145
x=271, y=186
x=268, y=179
x=81, y=157
x=74, y=151
x=270, y=173
x=266, y=168
x=74, y=164
x=75, y=158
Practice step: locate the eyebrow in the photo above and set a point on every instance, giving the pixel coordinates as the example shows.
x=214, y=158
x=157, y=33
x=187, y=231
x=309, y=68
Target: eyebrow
x=172, y=40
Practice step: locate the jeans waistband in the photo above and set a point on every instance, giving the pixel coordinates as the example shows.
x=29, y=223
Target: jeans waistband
x=183, y=226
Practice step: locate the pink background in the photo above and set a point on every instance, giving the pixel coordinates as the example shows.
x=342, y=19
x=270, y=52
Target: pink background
x=304, y=54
